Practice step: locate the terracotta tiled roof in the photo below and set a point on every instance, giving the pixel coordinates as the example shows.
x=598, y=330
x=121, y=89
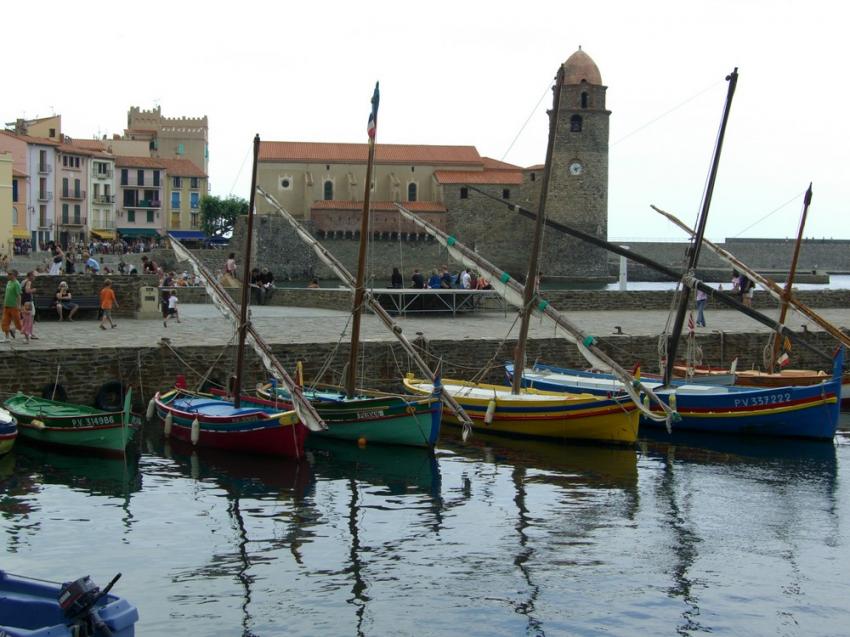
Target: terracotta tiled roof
x=31, y=140
x=495, y=164
x=181, y=167
x=18, y=173
x=308, y=152
x=73, y=149
x=507, y=177
x=90, y=144
x=122, y=161
x=413, y=206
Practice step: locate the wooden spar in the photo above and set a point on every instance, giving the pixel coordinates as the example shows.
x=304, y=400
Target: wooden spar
x=345, y=276
x=221, y=299
x=246, y=278
x=696, y=245
x=530, y=289
x=786, y=293
x=673, y=275
x=359, y=286
x=513, y=293
x=771, y=287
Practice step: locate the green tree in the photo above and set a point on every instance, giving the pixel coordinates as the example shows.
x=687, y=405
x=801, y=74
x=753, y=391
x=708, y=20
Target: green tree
x=218, y=215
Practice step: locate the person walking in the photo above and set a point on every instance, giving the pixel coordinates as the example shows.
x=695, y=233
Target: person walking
x=27, y=316
x=172, y=308
x=11, y=305
x=107, y=302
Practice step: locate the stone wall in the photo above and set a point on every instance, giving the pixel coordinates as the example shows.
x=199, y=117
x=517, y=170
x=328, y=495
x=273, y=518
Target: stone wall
x=126, y=290
x=147, y=370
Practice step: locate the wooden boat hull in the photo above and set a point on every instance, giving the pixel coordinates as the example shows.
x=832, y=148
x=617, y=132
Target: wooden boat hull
x=539, y=414
x=793, y=411
x=373, y=418
x=63, y=425
x=256, y=427
x=8, y=431
x=31, y=607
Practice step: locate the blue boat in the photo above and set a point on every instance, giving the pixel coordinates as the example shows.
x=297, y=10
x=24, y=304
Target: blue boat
x=810, y=411
x=37, y=608
x=8, y=431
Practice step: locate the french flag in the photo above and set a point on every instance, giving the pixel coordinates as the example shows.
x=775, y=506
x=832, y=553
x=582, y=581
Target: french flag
x=372, y=127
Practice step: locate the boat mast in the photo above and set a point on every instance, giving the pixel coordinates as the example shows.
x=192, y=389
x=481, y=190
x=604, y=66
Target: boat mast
x=696, y=244
x=786, y=293
x=359, y=287
x=246, y=279
x=530, y=289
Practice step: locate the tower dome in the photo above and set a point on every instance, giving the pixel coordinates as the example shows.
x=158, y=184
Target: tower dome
x=579, y=66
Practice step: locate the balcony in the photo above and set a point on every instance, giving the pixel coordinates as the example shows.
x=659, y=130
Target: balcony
x=103, y=199
x=72, y=221
x=45, y=196
x=45, y=169
x=74, y=194
x=102, y=174
x=146, y=203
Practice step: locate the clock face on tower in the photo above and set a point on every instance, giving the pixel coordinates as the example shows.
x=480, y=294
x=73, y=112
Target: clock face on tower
x=576, y=168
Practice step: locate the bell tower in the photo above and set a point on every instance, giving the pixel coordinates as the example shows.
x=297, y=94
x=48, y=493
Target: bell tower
x=578, y=181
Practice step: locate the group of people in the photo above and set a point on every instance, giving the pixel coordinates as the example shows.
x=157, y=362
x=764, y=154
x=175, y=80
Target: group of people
x=743, y=289
x=19, y=305
x=441, y=278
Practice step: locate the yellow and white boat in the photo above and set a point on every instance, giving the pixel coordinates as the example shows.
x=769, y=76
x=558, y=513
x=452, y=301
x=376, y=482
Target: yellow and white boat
x=538, y=413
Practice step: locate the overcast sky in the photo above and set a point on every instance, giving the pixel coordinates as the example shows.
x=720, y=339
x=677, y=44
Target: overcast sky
x=473, y=74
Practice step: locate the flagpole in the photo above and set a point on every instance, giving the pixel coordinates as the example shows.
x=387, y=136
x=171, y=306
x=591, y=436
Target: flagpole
x=359, y=287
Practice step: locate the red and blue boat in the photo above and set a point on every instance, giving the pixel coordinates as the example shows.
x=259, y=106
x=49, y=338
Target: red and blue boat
x=810, y=411
x=254, y=426
x=8, y=431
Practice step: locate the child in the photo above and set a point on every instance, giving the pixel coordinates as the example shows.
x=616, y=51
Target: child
x=107, y=300
x=27, y=315
x=172, y=308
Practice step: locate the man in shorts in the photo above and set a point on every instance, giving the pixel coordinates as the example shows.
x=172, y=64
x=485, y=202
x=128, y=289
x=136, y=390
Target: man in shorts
x=107, y=302
x=11, y=305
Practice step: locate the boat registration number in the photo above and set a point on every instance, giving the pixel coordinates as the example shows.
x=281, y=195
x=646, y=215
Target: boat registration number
x=368, y=415
x=92, y=421
x=757, y=401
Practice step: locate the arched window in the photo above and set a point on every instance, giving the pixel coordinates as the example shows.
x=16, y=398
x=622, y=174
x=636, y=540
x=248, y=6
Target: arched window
x=411, y=191
x=575, y=124
x=584, y=99
x=329, y=190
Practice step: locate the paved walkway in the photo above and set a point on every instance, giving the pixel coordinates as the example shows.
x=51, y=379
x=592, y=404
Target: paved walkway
x=204, y=325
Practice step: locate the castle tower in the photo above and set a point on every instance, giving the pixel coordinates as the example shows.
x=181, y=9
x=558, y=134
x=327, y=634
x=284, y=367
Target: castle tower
x=578, y=182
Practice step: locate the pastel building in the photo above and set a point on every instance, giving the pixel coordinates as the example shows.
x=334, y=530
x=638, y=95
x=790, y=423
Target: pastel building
x=101, y=220
x=72, y=178
x=186, y=184
x=140, y=189
x=6, y=241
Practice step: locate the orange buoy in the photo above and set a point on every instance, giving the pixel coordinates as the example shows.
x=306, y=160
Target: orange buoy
x=361, y=441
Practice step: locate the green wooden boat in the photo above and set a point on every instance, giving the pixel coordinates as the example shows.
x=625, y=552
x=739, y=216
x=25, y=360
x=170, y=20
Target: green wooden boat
x=66, y=425
x=370, y=417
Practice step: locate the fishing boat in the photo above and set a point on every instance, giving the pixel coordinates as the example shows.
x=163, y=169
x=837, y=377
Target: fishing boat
x=351, y=412
x=37, y=608
x=519, y=411
x=70, y=426
x=8, y=431
x=252, y=426
x=775, y=375
x=810, y=411
x=231, y=420
x=373, y=417
x=538, y=413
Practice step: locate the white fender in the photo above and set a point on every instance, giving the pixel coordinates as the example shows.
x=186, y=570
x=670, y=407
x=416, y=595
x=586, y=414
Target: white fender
x=196, y=431
x=491, y=411
x=168, y=420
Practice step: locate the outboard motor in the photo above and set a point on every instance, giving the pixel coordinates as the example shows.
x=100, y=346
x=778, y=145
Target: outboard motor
x=77, y=600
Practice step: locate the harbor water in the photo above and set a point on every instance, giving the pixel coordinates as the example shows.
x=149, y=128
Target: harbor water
x=689, y=536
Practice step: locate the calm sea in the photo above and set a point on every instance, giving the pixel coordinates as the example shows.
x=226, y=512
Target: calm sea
x=692, y=536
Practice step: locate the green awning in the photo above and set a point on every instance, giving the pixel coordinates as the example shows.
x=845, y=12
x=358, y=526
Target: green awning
x=138, y=232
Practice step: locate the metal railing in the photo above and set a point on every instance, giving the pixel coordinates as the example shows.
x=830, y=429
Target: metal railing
x=104, y=199
x=45, y=169
x=72, y=221
x=73, y=194
x=45, y=196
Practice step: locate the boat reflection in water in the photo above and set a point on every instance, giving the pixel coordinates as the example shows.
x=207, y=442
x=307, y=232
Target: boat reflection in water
x=758, y=494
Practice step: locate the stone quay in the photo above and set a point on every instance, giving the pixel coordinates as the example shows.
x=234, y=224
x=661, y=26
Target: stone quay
x=312, y=326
